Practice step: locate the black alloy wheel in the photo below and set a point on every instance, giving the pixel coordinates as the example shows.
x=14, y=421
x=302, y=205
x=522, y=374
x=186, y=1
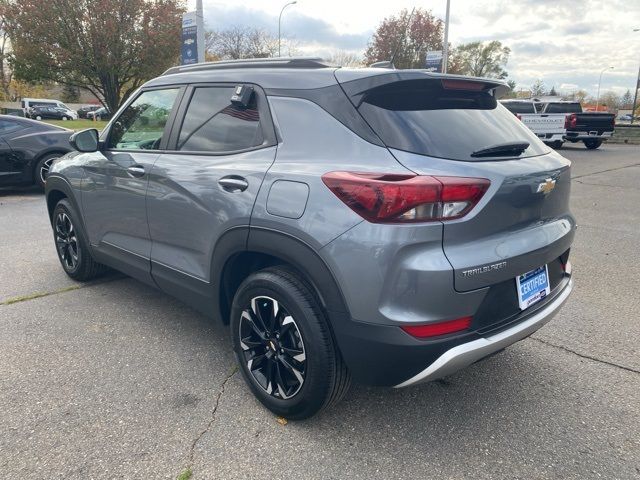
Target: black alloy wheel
x=273, y=348
x=66, y=242
x=284, y=345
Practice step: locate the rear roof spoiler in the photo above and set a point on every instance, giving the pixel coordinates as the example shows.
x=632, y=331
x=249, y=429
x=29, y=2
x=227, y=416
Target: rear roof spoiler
x=356, y=85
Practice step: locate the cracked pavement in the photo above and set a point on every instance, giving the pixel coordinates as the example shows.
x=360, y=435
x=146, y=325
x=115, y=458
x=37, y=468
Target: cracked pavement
x=116, y=380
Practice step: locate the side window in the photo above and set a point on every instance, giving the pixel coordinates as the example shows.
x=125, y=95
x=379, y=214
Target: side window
x=213, y=124
x=7, y=126
x=141, y=125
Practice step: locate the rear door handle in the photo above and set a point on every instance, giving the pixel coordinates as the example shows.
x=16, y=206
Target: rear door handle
x=136, y=170
x=233, y=183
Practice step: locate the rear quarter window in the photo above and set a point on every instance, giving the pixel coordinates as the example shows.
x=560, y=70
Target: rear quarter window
x=425, y=118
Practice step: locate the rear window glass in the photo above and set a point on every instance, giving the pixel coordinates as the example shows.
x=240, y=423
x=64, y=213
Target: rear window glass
x=422, y=117
x=563, y=108
x=519, y=107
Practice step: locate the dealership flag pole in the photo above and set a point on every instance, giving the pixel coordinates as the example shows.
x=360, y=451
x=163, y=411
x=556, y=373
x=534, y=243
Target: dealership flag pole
x=445, y=46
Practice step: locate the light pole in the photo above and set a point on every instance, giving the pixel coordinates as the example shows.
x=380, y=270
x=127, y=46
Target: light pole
x=280, y=22
x=445, y=47
x=600, y=81
x=635, y=95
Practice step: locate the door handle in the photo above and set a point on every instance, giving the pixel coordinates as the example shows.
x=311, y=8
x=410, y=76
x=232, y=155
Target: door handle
x=136, y=170
x=233, y=184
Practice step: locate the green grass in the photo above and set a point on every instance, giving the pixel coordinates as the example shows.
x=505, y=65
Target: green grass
x=185, y=475
x=78, y=124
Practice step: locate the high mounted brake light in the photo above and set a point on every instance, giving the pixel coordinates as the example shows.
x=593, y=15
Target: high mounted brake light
x=452, y=84
x=392, y=198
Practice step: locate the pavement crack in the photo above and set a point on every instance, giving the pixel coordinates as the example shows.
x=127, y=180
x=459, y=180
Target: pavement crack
x=587, y=357
x=207, y=429
x=581, y=182
x=605, y=171
x=70, y=288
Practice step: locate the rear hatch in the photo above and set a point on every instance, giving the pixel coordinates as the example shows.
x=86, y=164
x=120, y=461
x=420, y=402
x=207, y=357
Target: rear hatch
x=453, y=126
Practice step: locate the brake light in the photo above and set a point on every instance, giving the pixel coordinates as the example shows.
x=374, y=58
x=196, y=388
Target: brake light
x=440, y=328
x=455, y=84
x=571, y=121
x=518, y=116
x=392, y=198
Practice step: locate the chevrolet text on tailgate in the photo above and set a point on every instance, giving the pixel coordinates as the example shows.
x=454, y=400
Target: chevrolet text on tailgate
x=377, y=225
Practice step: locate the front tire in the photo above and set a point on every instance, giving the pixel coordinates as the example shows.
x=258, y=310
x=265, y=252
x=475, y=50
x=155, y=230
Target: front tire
x=42, y=168
x=592, y=144
x=72, y=245
x=38, y=117
x=284, y=346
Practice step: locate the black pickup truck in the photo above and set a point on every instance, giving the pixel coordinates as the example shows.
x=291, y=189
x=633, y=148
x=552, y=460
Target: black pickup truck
x=592, y=128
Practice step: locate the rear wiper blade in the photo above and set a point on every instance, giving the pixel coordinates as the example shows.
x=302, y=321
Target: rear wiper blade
x=502, y=149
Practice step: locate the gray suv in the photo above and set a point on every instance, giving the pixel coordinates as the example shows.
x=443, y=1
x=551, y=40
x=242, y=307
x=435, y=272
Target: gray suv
x=386, y=226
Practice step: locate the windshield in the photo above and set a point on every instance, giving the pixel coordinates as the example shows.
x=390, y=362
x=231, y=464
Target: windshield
x=425, y=118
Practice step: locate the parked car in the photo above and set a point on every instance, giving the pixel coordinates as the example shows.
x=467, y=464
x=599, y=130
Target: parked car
x=390, y=226
x=28, y=103
x=591, y=128
x=548, y=127
x=54, y=113
x=101, y=113
x=625, y=118
x=28, y=148
x=83, y=111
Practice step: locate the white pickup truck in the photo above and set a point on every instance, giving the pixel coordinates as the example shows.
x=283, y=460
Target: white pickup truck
x=549, y=127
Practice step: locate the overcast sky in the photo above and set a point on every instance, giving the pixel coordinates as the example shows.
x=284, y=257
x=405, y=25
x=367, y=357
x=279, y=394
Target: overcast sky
x=566, y=43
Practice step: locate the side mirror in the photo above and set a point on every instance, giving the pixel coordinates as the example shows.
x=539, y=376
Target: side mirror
x=85, y=140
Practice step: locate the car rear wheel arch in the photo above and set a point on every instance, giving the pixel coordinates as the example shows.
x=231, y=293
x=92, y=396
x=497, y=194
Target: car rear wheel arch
x=268, y=248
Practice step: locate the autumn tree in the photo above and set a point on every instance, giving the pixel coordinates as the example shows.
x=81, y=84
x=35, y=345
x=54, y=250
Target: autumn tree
x=610, y=100
x=345, y=59
x=423, y=34
x=109, y=47
x=626, y=100
x=480, y=59
x=240, y=42
x=538, y=88
x=6, y=73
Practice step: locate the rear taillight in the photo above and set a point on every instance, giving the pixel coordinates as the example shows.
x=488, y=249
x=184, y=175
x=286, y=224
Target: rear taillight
x=571, y=121
x=392, y=198
x=440, y=328
x=518, y=116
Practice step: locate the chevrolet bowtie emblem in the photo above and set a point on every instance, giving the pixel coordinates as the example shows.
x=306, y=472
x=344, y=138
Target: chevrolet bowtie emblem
x=546, y=186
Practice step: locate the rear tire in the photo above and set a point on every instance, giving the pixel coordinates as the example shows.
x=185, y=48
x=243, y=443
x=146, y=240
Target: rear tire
x=557, y=144
x=38, y=117
x=592, y=144
x=72, y=245
x=284, y=346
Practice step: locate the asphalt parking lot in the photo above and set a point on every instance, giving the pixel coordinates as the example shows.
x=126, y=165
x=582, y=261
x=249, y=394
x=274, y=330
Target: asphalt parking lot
x=115, y=380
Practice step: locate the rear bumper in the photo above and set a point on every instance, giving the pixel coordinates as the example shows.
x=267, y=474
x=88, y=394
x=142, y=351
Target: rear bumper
x=467, y=353
x=587, y=135
x=385, y=355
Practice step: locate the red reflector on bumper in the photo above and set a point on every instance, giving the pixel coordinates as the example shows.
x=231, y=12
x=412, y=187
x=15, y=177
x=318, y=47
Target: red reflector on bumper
x=440, y=328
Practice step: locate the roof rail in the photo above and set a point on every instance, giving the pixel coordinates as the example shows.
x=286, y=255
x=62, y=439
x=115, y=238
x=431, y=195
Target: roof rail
x=278, y=62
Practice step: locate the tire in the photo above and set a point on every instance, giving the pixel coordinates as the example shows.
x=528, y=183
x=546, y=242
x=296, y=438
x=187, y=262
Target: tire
x=42, y=168
x=38, y=117
x=557, y=145
x=64, y=119
x=72, y=246
x=295, y=348
x=592, y=144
